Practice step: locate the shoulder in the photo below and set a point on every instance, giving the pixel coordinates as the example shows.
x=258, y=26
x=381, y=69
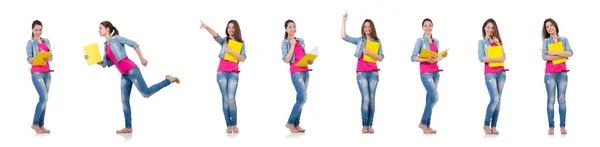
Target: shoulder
x=299, y=39
x=436, y=40
x=564, y=38
x=285, y=41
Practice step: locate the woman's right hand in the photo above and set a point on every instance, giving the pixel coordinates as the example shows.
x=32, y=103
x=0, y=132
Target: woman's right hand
x=85, y=56
x=345, y=15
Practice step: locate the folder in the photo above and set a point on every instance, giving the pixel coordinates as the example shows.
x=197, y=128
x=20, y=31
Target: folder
x=495, y=52
x=310, y=56
x=557, y=47
x=93, y=53
x=373, y=47
x=38, y=60
x=425, y=53
x=441, y=55
x=236, y=47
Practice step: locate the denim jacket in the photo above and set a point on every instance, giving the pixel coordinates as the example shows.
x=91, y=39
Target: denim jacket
x=117, y=47
x=549, y=40
x=285, y=48
x=423, y=43
x=33, y=48
x=360, y=45
x=483, y=44
x=223, y=42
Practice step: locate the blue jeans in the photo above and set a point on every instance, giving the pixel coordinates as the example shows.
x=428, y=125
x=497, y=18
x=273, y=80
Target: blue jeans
x=41, y=82
x=553, y=82
x=430, y=82
x=134, y=77
x=495, y=84
x=367, y=84
x=300, y=81
x=228, y=82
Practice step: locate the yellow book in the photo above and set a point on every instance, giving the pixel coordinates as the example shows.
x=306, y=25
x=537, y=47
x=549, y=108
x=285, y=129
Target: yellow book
x=236, y=47
x=373, y=47
x=93, y=53
x=441, y=54
x=425, y=53
x=38, y=60
x=495, y=52
x=557, y=47
x=310, y=56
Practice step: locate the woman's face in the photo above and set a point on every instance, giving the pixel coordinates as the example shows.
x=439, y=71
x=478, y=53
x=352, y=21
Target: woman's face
x=291, y=29
x=102, y=30
x=37, y=31
x=367, y=28
x=230, y=29
x=550, y=28
x=427, y=27
x=489, y=28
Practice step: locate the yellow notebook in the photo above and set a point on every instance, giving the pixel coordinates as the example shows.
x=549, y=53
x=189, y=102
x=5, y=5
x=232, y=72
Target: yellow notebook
x=425, y=53
x=495, y=52
x=310, y=56
x=93, y=53
x=236, y=47
x=38, y=60
x=557, y=47
x=373, y=47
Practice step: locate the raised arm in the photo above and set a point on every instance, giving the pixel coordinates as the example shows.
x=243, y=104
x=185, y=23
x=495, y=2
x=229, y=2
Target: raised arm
x=212, y=33
x=345, y=17
x=287, y=50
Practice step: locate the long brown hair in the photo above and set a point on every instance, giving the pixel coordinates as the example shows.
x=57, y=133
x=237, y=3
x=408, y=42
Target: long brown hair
x=373, y=31
x=236, y=27
x=35, y=23
x=287, y=22
x=496, y=32
x=545, y=33
x=108, y=25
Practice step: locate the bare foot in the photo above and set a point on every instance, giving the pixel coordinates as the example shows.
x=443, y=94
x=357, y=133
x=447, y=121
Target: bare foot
x=300, y=129
x=229, y=129
x=431, y=130
x=45, y=130
x=487, y=130
x=424, y=128
x=172, y=79
x=563, y=130
x=551, y=131
x=365, y=129
x=37, y=129
x=371, y=129
x=292, y=128
x=235, y=129
x=494, y=131
x=125, y=130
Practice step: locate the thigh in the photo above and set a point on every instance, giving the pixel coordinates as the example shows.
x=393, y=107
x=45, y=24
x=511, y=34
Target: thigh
x=562, y=81
x=47, y=81
x=38, y=82
x=232, y=83
x=135, y=76
x=373, y=80
x=298, y=81
x=306, y=78
x=550, y=81
x=428, y=81
x=362, y=81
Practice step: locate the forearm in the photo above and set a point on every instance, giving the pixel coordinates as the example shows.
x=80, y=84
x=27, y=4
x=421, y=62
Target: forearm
x=417, y=59
x=553, y=57
x=212, y=32
x=343, y=29
x=288, y=56
x=377, y=57
x=139, y=52
x=488, y=60
x=564, y=54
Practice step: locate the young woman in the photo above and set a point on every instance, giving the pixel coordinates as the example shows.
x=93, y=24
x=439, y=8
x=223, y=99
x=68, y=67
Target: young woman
x=293, y=49
x=40, y=75
x=228, y=71
x=130, y=73
x=494, y=76
x=429, y=72
x=367, y=73
x=556, y=78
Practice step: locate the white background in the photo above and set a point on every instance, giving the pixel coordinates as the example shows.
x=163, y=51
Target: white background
x=84, y=107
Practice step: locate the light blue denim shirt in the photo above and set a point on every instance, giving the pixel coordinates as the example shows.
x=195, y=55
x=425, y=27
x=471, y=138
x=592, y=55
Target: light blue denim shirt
x=423, y=43
x=483, y=44
x=285, y=47
x=549, y=40
x=223, y=42
x=117, y=47
x=360, y=45
x=33, y=48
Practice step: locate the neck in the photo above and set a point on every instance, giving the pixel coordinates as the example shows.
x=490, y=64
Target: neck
x=554, y=36
x=107, y=37
x=428, y=36
x=291, y=36
x=38, y=38
x=368, y=37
